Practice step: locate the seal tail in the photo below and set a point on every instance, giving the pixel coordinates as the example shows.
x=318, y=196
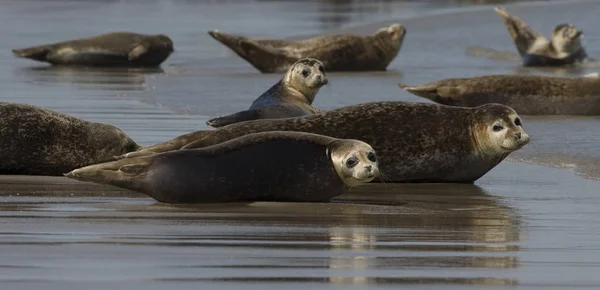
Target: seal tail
x=126, y=173
x=39, y=53
x=234, y=118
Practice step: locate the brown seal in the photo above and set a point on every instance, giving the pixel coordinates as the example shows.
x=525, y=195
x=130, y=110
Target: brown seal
x=563, y=49
x=415, y=142
x=528, y=95
x=292, y=96
x=111, y=49
x=38, y=141
x=337, y=52
x=268, y=166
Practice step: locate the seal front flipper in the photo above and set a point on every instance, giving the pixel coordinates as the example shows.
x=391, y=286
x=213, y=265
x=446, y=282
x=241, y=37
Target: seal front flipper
x=39, y=53
x=522, y=34
x=138, y=50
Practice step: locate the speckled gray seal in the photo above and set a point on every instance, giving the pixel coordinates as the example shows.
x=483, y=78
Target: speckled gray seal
x=38, y=141
x=267, y=166
x=415, y=142
x=337, y=52
x=292, y=96
x=564, y=48
x=528, y=95
x=123, y=49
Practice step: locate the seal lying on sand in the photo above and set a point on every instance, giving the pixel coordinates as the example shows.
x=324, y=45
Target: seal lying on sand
x=269, y=166
x=37, y=141
x=337, y=52
x=415, y=142
x=292, y=96
x=111, y=49
x=529, y=95
x=564, y=49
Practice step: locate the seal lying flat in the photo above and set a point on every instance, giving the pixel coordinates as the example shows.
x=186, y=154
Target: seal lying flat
x=269, y=166
x=564, y=49
x=292, y=96
x=37, y=141
x=415, y=142
x=111, y=49
x=529, y=95
x=337, y=52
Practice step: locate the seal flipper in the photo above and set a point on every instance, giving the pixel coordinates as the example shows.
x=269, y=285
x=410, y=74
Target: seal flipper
x=122, y=173
x=234, y=118
x=138, y=50
x=39, y=53
x=434, y=92
x=522, y=34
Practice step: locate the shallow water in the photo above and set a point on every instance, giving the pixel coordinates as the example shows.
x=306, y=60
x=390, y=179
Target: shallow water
x=522, y=225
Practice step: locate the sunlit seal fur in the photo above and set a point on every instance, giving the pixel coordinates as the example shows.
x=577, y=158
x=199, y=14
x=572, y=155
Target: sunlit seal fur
x=337, y=52
x=112, y=49
x=564, y=48
x=415, y=142
x=269, y=166
x=292, y=96
x=38, y=141
x=528, y=95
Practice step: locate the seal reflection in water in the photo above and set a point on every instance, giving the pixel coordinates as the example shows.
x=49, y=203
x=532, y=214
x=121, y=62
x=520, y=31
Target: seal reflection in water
x=38, y=141
x=416, y=142
x=529, y=95
x=337, y=52
x=111, y=49
x=269, y=166
x=292, y=96
x=563, y=49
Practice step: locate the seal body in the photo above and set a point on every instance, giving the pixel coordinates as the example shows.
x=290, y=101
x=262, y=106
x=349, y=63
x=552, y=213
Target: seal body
x=37, y=141
x=269, y=166
x=111, y=49
x=337, y=52
x=415, y=142
x=292, y=96
x=564, y=48
x=529, y=95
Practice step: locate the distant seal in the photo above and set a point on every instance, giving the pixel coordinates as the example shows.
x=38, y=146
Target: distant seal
x=111, y=49
x=415, y=142
x=38, y=141
x=564, y=48
x=268, y=166
x=528, y=95
x=292, y=96
x=337, y=52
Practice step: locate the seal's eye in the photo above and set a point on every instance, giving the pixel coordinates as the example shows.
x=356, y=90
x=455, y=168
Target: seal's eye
x=321, y=69
x=371, y=156
x=351, y=162
x=497, y=128
x=305, y=72
x=518, y=122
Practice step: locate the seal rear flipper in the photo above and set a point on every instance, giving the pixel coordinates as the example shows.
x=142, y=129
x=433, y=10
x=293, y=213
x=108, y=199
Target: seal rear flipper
x=522, y=34
x=39, y=53
x=234, y=118
x=121, y=173
x=267, y=59
x=428, y=91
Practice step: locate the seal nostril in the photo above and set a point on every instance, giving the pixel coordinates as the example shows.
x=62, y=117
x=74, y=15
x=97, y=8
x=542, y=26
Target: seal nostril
x=369, y=168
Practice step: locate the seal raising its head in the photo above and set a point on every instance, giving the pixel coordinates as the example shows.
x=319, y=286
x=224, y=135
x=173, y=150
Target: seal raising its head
x=416, y=142
x=529, y=95
x=269, y=166
x=564, y=49
x=292, y=96
x=38, y=141
x=111, y=49
x=337, y=52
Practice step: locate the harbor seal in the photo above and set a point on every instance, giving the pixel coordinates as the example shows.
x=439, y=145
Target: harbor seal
x=528, y=95
x=268, y=166
x=111, y=49
x=292, y=96
x=38, y=141
x=337, y=52
x=415, y=142
x=564, y=48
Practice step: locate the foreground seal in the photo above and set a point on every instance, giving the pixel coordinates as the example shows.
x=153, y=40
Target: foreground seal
x=292, y=96
x=415, y=142
x=111, y=49
x=37, y=141
x=529, y=95
x=337, y=52
x=269, y=166
x=563, y=49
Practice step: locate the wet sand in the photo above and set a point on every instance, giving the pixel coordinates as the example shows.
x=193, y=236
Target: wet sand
x=522, y=225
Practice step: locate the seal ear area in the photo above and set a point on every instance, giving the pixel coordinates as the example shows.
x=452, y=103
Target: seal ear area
x=37, y=53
